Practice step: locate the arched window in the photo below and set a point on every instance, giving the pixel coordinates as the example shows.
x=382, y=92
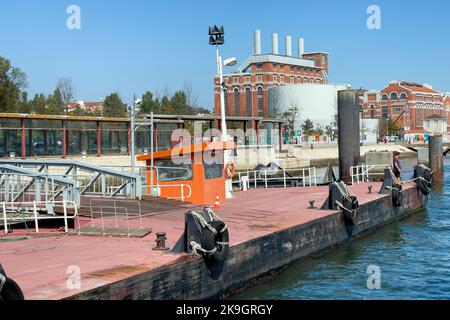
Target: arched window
x=236, y=102
x=225, y=93
x=384, y=97
x=403, y=96
x=372, y=112
x=394, y=96
x=260, y=102
x=248, y=101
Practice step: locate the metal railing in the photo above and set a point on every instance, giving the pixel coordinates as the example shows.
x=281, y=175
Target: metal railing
x=113, y=217
x=14, y=212
x=92, y=180
x=185, y=173
x=183, y=196
x=23, y=185
x=306, y=175
x=363, y=173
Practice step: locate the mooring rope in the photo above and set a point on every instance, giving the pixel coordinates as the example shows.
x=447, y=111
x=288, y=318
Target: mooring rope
x=203, y=222
x=196, y=247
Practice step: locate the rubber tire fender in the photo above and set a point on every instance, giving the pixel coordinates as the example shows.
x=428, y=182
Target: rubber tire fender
x=350, y=219
x=11, y=291
x=397, y=195
x=209, y=241
x=424, y=186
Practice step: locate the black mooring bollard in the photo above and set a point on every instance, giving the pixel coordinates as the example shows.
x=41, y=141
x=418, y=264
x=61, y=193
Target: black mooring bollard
x=161, y=241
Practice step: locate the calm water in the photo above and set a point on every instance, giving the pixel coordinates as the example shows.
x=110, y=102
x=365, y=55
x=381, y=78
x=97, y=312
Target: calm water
x=413, y=256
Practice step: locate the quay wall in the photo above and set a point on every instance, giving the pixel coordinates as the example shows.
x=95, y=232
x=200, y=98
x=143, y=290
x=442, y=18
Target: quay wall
x=254, y=261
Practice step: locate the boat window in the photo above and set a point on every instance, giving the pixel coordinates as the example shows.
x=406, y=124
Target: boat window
x=213, y=170
x=169, y=171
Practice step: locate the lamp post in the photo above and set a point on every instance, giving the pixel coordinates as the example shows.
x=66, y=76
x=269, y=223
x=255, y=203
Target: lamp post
x=132, y=124
x=136, y=102
x=216, y=38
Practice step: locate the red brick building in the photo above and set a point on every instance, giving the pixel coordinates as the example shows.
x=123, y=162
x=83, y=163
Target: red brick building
x=446, y=102
x=246, y=89
x=92, y=107
x=407, y=102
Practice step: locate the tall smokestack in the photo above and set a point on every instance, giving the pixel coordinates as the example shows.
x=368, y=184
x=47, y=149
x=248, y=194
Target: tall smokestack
x=301, y=47
x=275, y=43
x=289, y=46
x=257, y=42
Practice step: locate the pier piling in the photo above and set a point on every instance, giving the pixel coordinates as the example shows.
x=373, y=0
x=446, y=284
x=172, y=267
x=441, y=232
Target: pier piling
x=348, y=128
x=436, y=157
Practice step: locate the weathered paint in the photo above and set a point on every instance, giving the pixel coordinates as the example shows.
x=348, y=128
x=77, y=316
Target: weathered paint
x=187, y=277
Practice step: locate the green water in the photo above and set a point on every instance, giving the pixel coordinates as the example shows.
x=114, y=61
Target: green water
x=413, y=256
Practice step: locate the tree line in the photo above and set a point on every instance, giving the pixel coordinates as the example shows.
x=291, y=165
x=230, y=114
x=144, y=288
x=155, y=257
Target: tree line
x=14, y=98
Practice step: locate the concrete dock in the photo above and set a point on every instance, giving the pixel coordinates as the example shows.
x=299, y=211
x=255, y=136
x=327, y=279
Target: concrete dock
x=269, y=229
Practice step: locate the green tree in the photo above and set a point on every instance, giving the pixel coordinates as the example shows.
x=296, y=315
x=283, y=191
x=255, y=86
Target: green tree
x=178, y=103
x=388, y=128
x=77, y=111
x=55, y=103
x=318, y=131
x=166, y=107
x=114, y=107
x=12, y=81
x=24, y=104
x=149, y=104
x=330, y=131
x=307, y=128
x=38, y=104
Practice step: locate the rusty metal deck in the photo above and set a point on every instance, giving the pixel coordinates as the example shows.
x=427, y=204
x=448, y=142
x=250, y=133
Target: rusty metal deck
x=43, y=266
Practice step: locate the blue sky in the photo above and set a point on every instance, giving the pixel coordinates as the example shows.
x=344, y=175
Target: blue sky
x=136, y=45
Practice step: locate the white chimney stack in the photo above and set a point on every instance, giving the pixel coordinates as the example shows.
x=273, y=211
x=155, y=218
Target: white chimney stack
x=301, y=47
x=257, y=42
x=288, y=46
x=275, y=43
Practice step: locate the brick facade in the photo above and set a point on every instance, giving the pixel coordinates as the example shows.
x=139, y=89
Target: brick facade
x=246, y=90
x=408, y=103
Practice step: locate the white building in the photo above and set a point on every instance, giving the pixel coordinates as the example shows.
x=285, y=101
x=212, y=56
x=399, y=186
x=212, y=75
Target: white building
x=435, y=124
x=369, y=130
x=316, y=102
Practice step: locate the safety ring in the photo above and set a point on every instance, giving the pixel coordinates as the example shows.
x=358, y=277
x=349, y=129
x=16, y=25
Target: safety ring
x=230, y=170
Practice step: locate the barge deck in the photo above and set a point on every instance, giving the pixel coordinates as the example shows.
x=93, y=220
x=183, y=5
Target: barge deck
x=268, y=228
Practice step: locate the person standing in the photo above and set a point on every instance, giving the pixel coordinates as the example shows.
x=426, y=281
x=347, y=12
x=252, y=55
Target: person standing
x=397, y=168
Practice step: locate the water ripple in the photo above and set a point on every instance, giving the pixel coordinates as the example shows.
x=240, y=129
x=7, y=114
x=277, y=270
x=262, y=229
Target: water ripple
x=413, y=256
